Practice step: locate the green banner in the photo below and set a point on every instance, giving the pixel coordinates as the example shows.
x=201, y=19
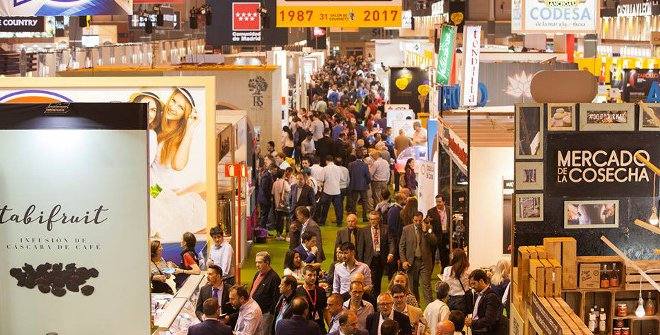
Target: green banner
x=445, y=54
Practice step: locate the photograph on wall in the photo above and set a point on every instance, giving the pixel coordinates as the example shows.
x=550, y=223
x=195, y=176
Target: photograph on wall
x=529, y=176
x=529, y=207
x=561, y=117
x=607, y=117
x=529, y=131
x=74, y=212
x=649, y=117
x=177, y=155
x=637, y=83
x=583, y=214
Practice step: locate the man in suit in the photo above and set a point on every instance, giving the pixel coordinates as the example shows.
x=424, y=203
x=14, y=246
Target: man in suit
x=395, y=228
x=308, y=225
x=307, y=249
x=440, y=220
x=348, y=324
x=298, y=324
x=484, y=305
x=380, y=249
x=283, y=306
x=211, y=324
x=265, y=290
x=358, y=185
x=386, y=312
x=264, y=193
x=416, y=252
x=301, y=194
x=414, y=314
x=351, y=233
x=214, y=288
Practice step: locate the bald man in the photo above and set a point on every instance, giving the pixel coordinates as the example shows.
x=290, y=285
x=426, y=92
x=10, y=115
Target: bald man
x=352, y=233
x=445, y=328
x=386, y=312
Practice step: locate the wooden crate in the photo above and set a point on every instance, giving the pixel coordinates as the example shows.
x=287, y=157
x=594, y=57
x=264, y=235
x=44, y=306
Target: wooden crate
x=549, y=277
x=565, y=328
x=537, y=277
x=631, y=279
x=564, y=250
x=523, y=271
x=541, y=252
x=569, y=316
x=556, y=284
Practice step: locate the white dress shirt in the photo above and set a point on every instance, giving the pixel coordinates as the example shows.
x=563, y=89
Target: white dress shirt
x=317, y=129
x=419, y=137
x=317, y=172
x=380, y=170
x=331, y=179
x=435, y=312
x=249, y=319
x=342, y=281
x=345, y=177
x=222, y=256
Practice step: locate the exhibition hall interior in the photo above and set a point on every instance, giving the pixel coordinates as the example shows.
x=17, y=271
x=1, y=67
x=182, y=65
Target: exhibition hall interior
x=344, y=167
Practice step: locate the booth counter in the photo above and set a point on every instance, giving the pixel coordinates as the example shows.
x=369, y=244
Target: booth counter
x=173, y=314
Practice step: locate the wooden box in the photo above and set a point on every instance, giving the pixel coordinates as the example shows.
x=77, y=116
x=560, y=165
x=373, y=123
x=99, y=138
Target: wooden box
x=590, y=275
x=537, y=277
x=556, y=284
x=564, y=250
x=523, y=272
x=549, y=278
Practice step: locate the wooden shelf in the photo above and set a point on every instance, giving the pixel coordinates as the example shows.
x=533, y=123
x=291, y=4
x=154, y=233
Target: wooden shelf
x=636, y=318
x=595, y=290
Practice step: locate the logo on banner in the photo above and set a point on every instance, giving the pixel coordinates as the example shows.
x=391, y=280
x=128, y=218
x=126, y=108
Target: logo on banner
x=246, y=16
x=258, y=86
x=602, y=166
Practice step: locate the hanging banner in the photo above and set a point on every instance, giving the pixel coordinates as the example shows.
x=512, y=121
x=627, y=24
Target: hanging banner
x=339, y=13
x=245, y=26
x=427, y=176
x=74, y=217
x=446, y=54
x=547, y=16
x=65, y=7
x=22, y=24
x=472, y=48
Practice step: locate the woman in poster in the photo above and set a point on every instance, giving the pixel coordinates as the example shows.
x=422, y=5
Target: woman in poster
x=155, y=115
x=179, y=206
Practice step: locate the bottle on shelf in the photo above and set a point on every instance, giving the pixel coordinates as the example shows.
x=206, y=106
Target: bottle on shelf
x=602, y=324
x=592, y=321
x=604, y=277
x=596, y=311
x=614, y=276
x=650, y=307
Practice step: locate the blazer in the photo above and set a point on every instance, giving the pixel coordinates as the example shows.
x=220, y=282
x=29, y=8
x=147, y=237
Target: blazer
x=360, y=180
x=387, y=244
x=343, y=236
x=297, y=325
x=404, y=323
x=407, y=246
x=307, y=257
x=314, y=228
x=490, y=320
x=209, y=327
x=264, y=192
x=287, y=312
x=206, y=292
x=436, y=223
x=306, y=196
x=268, y=291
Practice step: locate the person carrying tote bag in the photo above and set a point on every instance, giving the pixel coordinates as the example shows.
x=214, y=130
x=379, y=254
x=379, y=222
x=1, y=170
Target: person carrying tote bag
x=456, y=276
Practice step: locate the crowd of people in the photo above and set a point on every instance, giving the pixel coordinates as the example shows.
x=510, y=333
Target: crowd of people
x=340, y=152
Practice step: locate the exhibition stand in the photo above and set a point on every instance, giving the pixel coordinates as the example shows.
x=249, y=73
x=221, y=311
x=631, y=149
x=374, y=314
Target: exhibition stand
x=586, y=219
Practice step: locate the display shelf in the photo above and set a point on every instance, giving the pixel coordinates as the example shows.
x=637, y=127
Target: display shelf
x=637, y=318
x=591, y=290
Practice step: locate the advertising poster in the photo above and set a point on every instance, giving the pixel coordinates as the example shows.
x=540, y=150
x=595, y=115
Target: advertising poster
x=65, y=7
x=74, y=220
x=428, y=186
x=472, y=46
x=28, y=26
x=446, y=54
x=559, y=16
x=637, y=83
x=247, y=26
x=177, y=156
x=410, y=86
x=348, y=14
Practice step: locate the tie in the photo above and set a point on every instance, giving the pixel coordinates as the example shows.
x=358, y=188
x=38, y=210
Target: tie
x=352, y=234
x=376, y=239
x=214, y=294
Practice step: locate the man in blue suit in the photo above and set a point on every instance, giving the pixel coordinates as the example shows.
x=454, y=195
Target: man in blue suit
x=301, y=194
x=264, y=193
x=211, y=324
x=358, y=185
x=298, y=324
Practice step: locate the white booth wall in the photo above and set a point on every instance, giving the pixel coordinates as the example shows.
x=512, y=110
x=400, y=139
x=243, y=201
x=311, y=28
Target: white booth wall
x=489, y=166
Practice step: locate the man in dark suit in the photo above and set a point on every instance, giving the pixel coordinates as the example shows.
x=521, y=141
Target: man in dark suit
x=358, y=185
x=395, y=228
x=440, y=222
x=308, y=225
x=215, y=288
x=265, y=289
x=386, y=312
x=283, y=306
x=298, y=324
x=264, y=193
x=301, y=194
x=416, y=252
x=380, y=249
x=351, y=233
x=308, y=249
x=484, y=305
x=348, y=324
x=212, y=324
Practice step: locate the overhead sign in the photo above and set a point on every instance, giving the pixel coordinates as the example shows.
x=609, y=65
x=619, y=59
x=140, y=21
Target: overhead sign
x=472, y=48
x=247, y=25
x=62, y=229
x=445, y=54
x=438, y=8
x=406, y=19
x=339, y=13
x=640, y=8
x=554, y=16
x=65, y=7
x=22, y=24
x=171, y=20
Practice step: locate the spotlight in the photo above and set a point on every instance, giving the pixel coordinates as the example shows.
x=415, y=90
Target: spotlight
x=83, y=21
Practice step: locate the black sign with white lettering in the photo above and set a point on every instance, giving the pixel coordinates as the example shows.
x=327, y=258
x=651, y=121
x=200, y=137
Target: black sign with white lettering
x=600, y=164
x=244, y=22
x=22, y=24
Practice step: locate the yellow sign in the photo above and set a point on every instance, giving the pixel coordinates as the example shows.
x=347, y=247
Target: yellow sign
x=344, y=14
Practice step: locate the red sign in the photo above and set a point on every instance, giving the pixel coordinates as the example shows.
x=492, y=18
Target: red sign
x=246, y=16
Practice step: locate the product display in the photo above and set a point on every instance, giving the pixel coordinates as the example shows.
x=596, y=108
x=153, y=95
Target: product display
x=55, y=278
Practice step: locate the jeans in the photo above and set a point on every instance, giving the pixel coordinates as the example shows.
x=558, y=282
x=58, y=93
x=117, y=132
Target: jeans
x=325, y=207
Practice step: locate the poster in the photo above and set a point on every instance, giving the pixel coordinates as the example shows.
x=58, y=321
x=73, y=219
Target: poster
x=65, y=7
x=410, y=85
x=74, y=220
x=445, y=54
x=637, y=83
x=556, y=16
x=246, y=25
x=179, y=186
x=470, y=85
x=428, y=186
x=340, y=13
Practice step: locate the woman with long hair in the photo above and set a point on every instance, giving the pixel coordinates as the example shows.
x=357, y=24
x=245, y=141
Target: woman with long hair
x=293, y=265
x=409, y=210
x=189, y=261
x=409, y=176
x=401, y=278
x=180, y=119
x=456, y=275
x=500, y=281
x=160, y=276
x=154, y=119
x=287, y=141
